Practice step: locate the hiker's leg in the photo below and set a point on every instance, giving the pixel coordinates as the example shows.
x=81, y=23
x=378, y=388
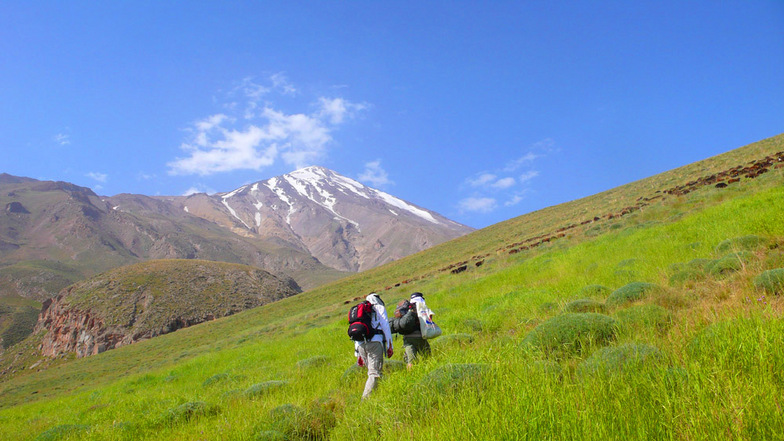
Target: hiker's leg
x=424, y=348
x=374, y=351
x=409, y=351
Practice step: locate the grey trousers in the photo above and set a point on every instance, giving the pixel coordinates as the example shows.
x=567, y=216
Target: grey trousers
x=372, y=353
x=414, y=346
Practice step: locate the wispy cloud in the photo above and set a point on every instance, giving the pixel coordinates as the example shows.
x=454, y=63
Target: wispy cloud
x=100, y=177
x=477, y=205
x=219, y=143
x=375, y=175
x=507, y=183
x=62, y=139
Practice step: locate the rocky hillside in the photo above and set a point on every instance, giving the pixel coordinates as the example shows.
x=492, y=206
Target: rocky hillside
x=141, y=301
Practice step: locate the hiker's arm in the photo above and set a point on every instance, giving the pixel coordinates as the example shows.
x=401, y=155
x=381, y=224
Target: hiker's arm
x=384, y=322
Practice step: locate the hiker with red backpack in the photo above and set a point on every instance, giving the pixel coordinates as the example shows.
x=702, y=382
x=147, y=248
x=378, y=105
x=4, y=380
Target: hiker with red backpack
x=369, y=328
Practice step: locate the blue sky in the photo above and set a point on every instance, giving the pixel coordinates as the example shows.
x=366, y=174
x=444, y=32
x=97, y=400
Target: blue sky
x=481, y=111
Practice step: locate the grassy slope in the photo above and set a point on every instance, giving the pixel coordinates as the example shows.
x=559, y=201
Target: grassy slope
x=730, y=390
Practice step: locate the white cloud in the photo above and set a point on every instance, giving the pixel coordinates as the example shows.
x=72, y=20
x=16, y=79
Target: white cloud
x=527, y=176
x=100, y=177
x=218, y=143
x=477, y=204
x=338, y=109
x=504, y=183
x=62, y=139
x=513, y=201
x=375, y=175
x=481, y=180
x=519, y=162
x=282, y=84
x=486, y=187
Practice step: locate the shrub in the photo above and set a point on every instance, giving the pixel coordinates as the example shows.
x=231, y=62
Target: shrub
x=451, y=377
x=631, y=292
x=748, y=243
x=626, y=358
x=594, y=291
x=584, y=305
x=729, y=264
x=645, y=316
x=353, y=371
x=570, y=332
x=474, y=325
x=188, y=411
x=312, y=362
x=298, y=423
x=263, y=388
x=217, y=378
x=62, y=431
x=449, y=340
x=692, y=270
x=771, y=281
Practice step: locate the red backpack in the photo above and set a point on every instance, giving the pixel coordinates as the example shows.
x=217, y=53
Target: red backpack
x=359, y=322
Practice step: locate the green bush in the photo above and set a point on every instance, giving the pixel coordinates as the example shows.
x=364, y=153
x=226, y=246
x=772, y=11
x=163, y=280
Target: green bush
x=313, y=362
x=630, y=293
x=451, y=377
x=626, y=358
x=263, y=388
x=189, y=411
x=62, y=431
x=449, y=340
x=353, y=371
x=692, y=270
x=584, y=305
x=218, y=378
x=474, y=325
x=594, y=291
x=570, y=332
x=729, y=264
x=748, y=243
x=644, y=316
x=297, y=423
x=771, y=281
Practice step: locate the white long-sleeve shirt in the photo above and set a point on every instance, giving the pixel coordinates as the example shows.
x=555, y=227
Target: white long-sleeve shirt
x=379, y=321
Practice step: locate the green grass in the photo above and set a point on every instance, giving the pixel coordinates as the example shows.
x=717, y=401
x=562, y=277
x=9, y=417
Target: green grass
x=699, y=358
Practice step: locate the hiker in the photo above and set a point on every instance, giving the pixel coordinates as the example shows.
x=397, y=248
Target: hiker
x=414, y=346
x=370, y=351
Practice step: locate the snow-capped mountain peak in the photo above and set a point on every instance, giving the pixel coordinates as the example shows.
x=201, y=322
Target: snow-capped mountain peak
x=342, y=222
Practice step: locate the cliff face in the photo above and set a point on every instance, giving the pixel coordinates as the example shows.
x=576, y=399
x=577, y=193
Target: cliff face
x=146, y=300
x=71, y=330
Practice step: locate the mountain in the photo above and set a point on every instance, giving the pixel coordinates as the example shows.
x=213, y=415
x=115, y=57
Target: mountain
x=342, y=223
x=311, y=226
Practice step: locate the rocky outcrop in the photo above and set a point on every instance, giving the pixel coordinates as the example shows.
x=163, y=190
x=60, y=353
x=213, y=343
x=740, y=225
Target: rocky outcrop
x=146, y=300
x=72, y=330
